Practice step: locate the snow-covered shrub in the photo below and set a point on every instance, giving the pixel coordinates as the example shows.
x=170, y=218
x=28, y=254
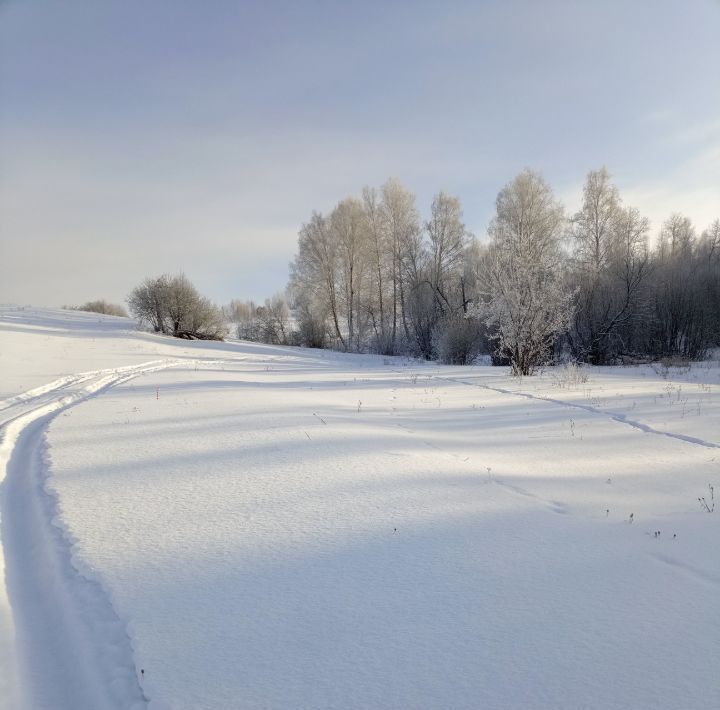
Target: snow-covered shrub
x=569, y=375
x=312, y=332
x=458, y=340
x=103, y=307
x=172, y=305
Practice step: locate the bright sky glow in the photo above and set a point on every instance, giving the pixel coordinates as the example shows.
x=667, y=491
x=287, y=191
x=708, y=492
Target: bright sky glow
x=138, y=138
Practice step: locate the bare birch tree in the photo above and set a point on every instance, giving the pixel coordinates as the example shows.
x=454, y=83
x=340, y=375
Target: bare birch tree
x=437, y=272
x=403, y=225
x=315, y=270
x=349, y=234
x=610, y=260
x=379, y=266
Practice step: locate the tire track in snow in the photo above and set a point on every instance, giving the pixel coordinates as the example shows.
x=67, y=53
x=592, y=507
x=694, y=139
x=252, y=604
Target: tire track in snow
x=614, y=416
x=73, y=651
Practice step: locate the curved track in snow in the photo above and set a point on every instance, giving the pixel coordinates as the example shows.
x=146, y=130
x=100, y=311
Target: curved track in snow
x=614, y=416
x=72, y=649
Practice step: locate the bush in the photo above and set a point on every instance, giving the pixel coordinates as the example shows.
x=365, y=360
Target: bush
x=384, y=344
x=103, y=307
x=569, y=375
x=312, y=332
x=172, y=305
x=458, y=340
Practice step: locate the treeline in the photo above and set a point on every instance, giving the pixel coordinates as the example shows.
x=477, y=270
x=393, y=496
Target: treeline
x=635, y=301
x=370, y=276
x=268, y=323
x=373, y=276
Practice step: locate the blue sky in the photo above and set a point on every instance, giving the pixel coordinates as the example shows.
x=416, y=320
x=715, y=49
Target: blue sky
x=142, y=137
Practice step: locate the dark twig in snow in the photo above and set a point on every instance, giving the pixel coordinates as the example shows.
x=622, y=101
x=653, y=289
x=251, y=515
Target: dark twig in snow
x=708, y=507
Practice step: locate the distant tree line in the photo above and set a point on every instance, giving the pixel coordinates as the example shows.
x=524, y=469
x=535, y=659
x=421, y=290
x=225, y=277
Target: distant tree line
x=100, y=306
x=373, y=276
x=268, y=323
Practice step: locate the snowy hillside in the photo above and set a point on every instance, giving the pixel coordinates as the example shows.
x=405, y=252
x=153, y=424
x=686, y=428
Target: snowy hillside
x=195, y=525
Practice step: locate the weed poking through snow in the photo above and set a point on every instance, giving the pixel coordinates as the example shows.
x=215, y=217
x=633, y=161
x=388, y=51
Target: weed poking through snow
x=708, y=505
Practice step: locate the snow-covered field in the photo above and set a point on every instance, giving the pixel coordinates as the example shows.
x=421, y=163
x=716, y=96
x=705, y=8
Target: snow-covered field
x=231, y=525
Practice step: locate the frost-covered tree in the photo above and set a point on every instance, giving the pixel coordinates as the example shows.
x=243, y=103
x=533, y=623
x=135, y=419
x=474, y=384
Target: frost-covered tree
x=610, y=265
x=710, y=242
x=350, y=274
x=526, y=300
x=447, y=241
x=403, y=239
x=268, y=323
x=314, y=279
x=242, y=314
x=709, y=257
x=348, y=227
x=276, y=328
x=379, y=270
x=171, y=304
x=368, y=277
x=180, y=304
x=593, y=227
x=148, y=302
x=677, y=236
x=683, y=312
x=436, y=273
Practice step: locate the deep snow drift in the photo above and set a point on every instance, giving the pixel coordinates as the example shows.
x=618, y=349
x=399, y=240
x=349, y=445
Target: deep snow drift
x=263, y=527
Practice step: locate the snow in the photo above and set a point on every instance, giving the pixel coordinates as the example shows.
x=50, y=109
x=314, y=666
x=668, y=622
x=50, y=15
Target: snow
x=266, y=527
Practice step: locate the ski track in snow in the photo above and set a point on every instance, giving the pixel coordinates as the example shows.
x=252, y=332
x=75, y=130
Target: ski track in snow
x=614, y=416
x=73, y=650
